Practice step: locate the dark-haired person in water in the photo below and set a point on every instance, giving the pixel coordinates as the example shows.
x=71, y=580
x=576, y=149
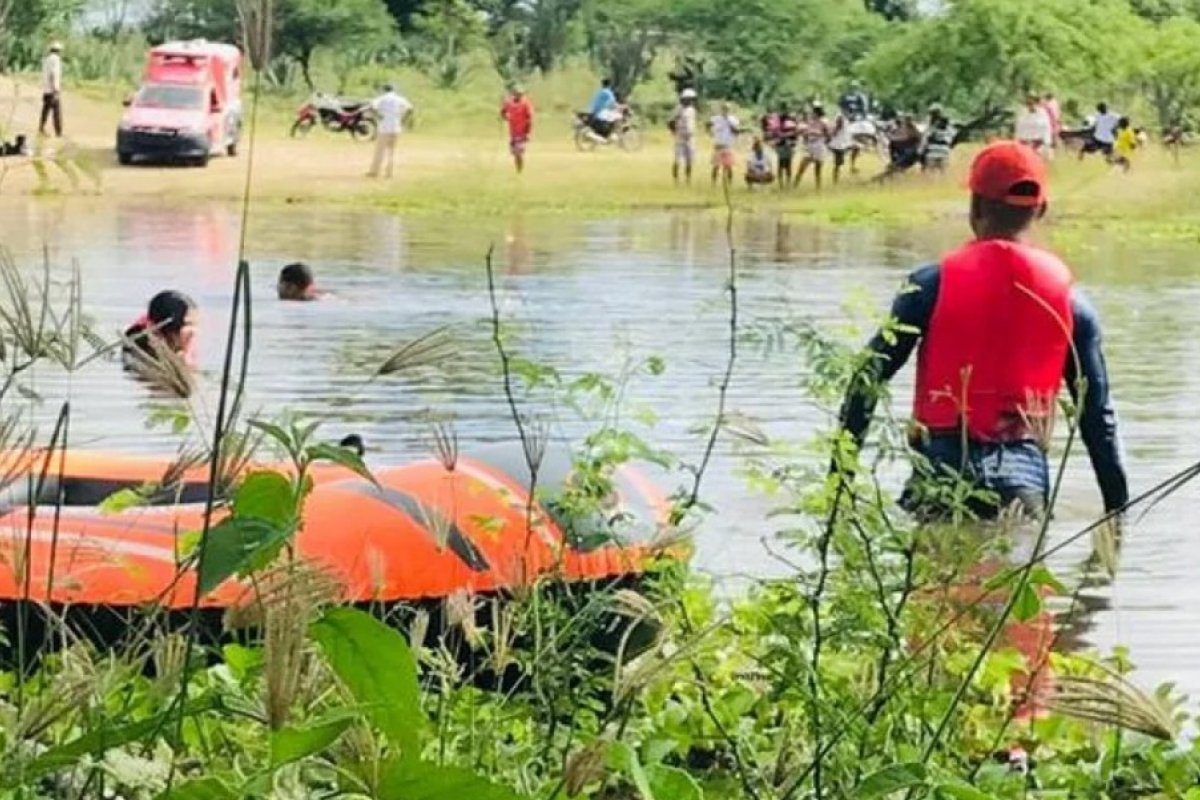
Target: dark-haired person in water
x=998, y=329
x=296, y=282
x=168, y=324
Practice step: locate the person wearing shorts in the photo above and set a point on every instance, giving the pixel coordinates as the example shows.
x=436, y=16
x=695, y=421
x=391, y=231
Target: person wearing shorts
x=816, y=145
x=683, y=127
x=724, y=128
x=841, y=144
x=1104, y=133
x=785, y=142
x=517, y=111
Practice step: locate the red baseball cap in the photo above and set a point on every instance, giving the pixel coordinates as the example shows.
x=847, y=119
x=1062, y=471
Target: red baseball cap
x=1002, y=166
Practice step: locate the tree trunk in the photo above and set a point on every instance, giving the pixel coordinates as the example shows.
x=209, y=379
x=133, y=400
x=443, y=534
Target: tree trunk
x=305, y=59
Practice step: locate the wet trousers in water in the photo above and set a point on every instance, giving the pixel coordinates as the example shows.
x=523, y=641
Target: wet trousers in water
x=1001, y=475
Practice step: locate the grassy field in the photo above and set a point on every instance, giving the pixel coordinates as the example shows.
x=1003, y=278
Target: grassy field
x=455, y=161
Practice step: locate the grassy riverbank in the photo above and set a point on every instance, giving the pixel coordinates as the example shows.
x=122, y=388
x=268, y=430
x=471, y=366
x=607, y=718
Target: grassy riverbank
x=464, y=169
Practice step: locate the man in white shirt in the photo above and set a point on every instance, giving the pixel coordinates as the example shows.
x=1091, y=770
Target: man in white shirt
x=1034, y=128
x=683, y=125
x=391, y=108
x=1104, y=132
x=724, y=128
x=52, y=90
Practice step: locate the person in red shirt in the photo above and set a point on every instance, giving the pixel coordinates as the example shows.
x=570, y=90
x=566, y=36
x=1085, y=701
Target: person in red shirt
x=518, y=113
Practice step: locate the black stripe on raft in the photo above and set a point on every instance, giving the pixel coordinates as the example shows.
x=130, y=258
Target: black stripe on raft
x=456, y=540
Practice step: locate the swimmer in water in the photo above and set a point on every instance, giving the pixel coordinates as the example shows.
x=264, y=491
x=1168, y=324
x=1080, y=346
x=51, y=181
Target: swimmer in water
x=296, y=283
x=169, y=322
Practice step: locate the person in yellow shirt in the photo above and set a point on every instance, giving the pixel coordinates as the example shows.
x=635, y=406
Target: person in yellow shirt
x=1125, y=144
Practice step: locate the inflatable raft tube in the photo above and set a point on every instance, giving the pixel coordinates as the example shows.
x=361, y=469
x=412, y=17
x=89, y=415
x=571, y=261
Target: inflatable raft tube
x=423, y=533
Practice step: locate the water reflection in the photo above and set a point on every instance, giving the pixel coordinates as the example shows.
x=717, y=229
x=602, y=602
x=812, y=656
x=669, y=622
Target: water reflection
x=587, y=295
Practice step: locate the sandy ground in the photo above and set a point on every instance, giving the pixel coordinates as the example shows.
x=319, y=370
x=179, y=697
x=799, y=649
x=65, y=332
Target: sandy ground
x=323, y=165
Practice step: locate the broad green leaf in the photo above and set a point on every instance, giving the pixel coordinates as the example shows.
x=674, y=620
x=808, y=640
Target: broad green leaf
x=265, y=495
x=417, y=780
x=239, y=545
x=294, y=743
x=210, y=788
x=273, y=431
x=1041, y=575
x=623, y=758
x=672, y=783
x=1027, y=604
x=961, y=791
x=891, y=779
x=376, y=666
x=342, y=456
x=105, y=738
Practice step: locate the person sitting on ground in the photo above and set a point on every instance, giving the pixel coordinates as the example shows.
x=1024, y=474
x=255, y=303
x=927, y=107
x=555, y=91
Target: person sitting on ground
x=758, y=166
x=17, y=147
x=1124, y=145
x=939, y=141
x=169, y=325
x=296, y=283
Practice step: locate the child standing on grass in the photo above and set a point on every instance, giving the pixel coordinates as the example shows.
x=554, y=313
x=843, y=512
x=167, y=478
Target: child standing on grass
x=724, y=128
x=1126, y=142
x=518, y=113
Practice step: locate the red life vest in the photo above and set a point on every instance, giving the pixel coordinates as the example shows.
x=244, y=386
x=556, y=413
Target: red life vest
x=997, y=342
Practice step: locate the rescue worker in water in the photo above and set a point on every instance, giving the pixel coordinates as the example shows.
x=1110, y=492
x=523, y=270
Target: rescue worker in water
x=999, y=330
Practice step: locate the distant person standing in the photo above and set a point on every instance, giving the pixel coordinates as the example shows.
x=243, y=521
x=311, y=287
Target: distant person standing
x=1104, y=133
x=391, y=108
x=518, y=113
x=52, y=90
x=683, y=126
x=724, y=128
x=1034, y=128
x=1054, y=111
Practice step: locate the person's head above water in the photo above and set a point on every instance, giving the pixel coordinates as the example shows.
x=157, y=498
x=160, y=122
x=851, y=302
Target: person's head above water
x=296, y=283
x=355, y=443
x=1009, y=190
x=172, y=315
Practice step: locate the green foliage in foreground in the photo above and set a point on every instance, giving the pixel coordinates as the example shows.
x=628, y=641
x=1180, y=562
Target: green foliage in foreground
x=883, y=664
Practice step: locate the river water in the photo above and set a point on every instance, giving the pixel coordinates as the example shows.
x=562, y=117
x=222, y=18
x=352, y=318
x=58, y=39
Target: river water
x=592, y=296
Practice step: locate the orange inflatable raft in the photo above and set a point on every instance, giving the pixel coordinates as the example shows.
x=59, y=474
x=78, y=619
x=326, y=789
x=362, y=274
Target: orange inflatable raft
x=423, y=532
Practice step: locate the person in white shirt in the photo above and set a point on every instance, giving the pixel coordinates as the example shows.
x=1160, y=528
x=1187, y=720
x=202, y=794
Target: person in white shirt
x=392, y=108
x=1104, y=132
x=52, y=90
x=1034, y=127
x=683, y=125
x=724, y=128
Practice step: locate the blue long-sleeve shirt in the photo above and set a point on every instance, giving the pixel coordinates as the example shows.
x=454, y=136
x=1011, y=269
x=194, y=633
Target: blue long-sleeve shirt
x=603, y=98
x=913, y=309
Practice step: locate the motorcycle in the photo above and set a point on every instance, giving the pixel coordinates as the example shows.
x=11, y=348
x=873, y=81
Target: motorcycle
x=336, y=115
x=624, y=132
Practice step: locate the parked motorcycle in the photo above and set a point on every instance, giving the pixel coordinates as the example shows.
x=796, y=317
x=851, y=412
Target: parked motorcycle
x=624, y=133
x=336, y=115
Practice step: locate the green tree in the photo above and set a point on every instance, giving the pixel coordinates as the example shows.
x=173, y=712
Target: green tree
x=449, y=31
x=983, y=55
x=530, y=34
x=623, y=38
x=216, y=20
x=893, y=9
x=304, y=26
x=1169, y=72
x=25, y=25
